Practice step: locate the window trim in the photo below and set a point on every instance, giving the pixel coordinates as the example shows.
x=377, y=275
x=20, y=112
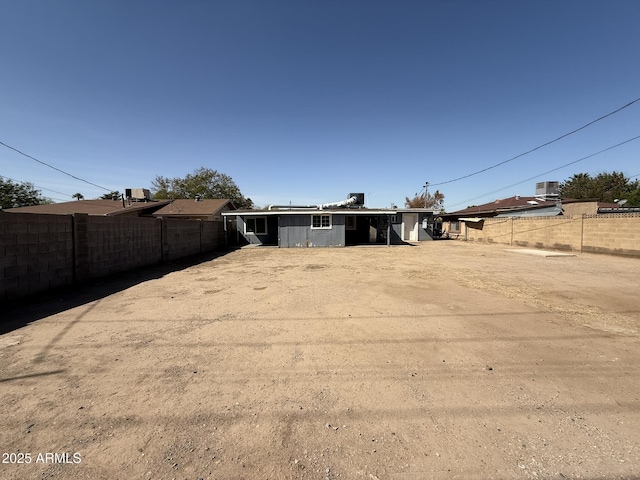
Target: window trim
x=246, y=230
x=321, y=227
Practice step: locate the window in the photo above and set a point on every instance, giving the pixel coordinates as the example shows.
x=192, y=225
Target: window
x=350, y=222
x=320, y=221
x=454, y=226
x=394, y=219
x=256, y=225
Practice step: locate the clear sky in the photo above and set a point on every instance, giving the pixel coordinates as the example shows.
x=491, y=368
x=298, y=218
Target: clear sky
x=306, y=101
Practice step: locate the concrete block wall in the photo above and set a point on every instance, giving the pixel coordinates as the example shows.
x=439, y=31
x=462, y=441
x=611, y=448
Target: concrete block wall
x=40, y=252
x=611, y=234
x=580, y=208
x=117, y=244
x=36, y=253
x=550, y=232
x=212, y=236
x=180, y=238
x=492, y=230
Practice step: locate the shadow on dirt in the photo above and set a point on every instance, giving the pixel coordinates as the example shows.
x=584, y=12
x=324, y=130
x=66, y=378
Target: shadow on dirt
x=19, y=313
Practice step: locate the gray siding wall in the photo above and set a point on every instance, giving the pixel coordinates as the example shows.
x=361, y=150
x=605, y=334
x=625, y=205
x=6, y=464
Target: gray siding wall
x=271, y=238
x=296, y=231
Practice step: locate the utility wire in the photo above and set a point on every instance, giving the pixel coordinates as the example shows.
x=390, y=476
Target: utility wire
x=539, y=146
x=51, y=166
x=59, y=199
x=547, y=172
x=41, y=188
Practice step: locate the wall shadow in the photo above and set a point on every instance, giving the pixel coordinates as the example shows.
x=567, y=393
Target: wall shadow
x=18, y=313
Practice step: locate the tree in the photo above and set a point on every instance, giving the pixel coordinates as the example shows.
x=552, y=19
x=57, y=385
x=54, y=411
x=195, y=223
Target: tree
x=111, y=196
x=203, y=183
x=426, y=200
x=13, y=195
x=77, y=196
x=605, y=187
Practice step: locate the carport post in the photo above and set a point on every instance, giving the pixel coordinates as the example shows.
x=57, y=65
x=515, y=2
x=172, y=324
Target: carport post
x=388, y=230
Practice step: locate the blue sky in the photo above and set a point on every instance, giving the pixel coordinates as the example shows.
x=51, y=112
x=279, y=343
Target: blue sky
x=307, y=101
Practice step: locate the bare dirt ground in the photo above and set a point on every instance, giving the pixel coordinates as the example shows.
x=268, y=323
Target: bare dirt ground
x=438, y=361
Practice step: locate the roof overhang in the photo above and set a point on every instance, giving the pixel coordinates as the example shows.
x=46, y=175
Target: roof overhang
x=415, y=210
x=347, y=212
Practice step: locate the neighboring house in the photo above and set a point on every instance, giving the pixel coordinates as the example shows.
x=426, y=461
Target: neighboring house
x=332, y=227
x=518, y=206
x=196, y=209
x=119, y=207
x=512, y=206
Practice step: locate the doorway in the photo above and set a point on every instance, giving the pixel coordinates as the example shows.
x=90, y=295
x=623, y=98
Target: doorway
x=410, y=227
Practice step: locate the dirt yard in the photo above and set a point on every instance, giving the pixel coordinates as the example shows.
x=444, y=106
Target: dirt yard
x=438, y=361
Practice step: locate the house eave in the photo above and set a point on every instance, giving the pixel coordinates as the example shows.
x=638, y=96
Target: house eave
x=348, y=212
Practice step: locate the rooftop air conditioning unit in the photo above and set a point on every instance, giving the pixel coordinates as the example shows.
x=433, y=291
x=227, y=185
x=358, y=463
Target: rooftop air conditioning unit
x=138, y=194
x=547, y=190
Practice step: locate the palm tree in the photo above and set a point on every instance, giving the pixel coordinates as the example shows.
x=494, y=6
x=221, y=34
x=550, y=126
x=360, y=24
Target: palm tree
x=77, y=196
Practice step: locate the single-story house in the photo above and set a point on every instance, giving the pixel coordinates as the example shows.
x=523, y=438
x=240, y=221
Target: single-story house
x=332, y=226
x=196, y=209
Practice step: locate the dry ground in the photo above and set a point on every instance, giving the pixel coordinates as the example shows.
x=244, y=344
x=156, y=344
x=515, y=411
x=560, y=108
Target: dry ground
x=443, y=360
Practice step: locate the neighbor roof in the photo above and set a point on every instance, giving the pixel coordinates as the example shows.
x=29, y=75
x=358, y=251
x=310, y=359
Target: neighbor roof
x=91, y=207
x=192, y=207
x=536, y=206
x=511, y=203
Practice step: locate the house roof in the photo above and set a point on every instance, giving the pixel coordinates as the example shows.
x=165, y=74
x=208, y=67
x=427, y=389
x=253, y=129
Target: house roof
x=190, y=207
x=313, y=211
x=91, y=207
x=528, y=206
x=416, y=210
x=539, y=211
x=506, y=204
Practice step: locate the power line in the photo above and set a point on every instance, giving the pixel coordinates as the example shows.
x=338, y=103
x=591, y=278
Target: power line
x=59, y=199
x=539, y=146
x=51, y=166
x=41, y=188
x=550, y=171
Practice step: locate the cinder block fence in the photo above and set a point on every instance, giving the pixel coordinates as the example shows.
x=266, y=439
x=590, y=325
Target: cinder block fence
x=613, y=234
x=41, y=252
